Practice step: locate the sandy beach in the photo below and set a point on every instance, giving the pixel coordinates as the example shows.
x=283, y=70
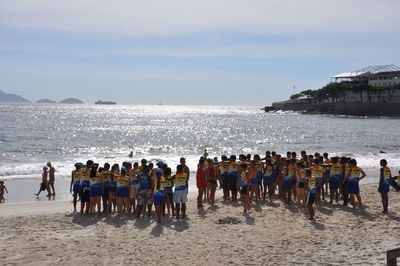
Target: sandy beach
x=48, y=233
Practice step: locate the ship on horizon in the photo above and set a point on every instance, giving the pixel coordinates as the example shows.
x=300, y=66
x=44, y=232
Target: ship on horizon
x=105, y=102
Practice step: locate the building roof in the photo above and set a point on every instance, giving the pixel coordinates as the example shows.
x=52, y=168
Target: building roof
x=368, y=71
x=389, y=73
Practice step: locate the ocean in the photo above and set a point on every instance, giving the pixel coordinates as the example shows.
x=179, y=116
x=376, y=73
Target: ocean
x=33, y=134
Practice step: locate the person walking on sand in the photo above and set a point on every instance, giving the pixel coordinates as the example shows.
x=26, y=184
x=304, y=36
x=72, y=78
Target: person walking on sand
x=2, y=190
x=52, y=171
x=44, y=184
x=354, y=176
x=384, y=184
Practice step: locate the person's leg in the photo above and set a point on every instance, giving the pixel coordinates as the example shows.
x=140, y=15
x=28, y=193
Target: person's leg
x=119, y=206
x=158, y=213
x=52, y=188
x=177, y=209
x=359, y=201
x=82, y=207
x=213, y=189
x=200, y=197
x=139, y=210
x=75, y=196
x=352, y=200
x=183, y=210
x=386, y=202
x=311, y=211
x=345, y=193
x=149, y=206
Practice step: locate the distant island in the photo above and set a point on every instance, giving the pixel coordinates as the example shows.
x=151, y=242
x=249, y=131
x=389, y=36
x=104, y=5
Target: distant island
x=45, y=101
x=11, y=98
x=105, y=102
x=71, y=101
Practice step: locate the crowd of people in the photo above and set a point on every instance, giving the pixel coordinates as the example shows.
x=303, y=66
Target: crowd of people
x=306, y=179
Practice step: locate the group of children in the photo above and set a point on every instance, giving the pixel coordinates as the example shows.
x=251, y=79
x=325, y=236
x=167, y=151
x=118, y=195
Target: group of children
x=306, y=178
x=131, y=188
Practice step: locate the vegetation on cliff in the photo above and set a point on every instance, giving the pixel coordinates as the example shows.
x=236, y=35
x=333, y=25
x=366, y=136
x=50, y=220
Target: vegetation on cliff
x=337, y=91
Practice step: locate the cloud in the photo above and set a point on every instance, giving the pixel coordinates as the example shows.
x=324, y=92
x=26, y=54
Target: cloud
x=177, y=17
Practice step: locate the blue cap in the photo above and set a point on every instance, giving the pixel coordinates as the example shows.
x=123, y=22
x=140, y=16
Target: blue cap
x=159, y=171
x=160, y=163
x=78, y=164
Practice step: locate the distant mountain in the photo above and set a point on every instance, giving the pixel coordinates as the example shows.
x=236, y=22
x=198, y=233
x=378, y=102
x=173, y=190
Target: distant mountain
x=11, y=98
x=45, y=101
x=72, y=101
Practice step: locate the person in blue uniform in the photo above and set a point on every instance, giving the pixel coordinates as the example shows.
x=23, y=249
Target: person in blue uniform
x=384, y=184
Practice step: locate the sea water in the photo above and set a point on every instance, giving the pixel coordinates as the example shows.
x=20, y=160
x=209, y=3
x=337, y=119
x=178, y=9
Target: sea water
x=33, y=134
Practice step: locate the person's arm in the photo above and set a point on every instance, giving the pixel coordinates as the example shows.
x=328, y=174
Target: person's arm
x=101, y=182
x=5, y=188
x=72, y=182
x=188, y=171
x=363, y=174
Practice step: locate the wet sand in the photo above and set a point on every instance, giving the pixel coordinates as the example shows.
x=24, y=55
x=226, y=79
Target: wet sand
x=271, y=234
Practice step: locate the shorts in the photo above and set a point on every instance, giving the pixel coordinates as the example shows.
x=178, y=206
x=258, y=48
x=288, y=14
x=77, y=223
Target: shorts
x=159, y=198
x=244, y=190
x=225, y=180
x=168, y=191
x=122, y=192
x=43, y=186
x=267, y=180
x=254, y=181
x=334, y=182
x=353, y=187
x=301, y=184
x=76, y=187
x=286, y=183
x=106, y=191
x=85, y=197
x=259, y=177
x=134, y=191
x=145, y=197
x=112, y=187
x=384, y=187
x=293, y=181
x=180, y=196
x=212, y=182
x=311, y=197
x=95, y=191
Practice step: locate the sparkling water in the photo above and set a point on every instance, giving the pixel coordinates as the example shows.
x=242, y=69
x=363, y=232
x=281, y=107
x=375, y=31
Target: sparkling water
x=32, y=134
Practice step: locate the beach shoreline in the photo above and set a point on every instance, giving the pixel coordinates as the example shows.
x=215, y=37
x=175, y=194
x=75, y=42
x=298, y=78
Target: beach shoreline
x=269, y=234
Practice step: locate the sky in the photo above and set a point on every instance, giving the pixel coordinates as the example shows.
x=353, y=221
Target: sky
x=207, y=52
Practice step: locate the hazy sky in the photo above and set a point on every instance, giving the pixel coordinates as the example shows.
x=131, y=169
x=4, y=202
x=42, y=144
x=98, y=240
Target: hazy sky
x=189, y=52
